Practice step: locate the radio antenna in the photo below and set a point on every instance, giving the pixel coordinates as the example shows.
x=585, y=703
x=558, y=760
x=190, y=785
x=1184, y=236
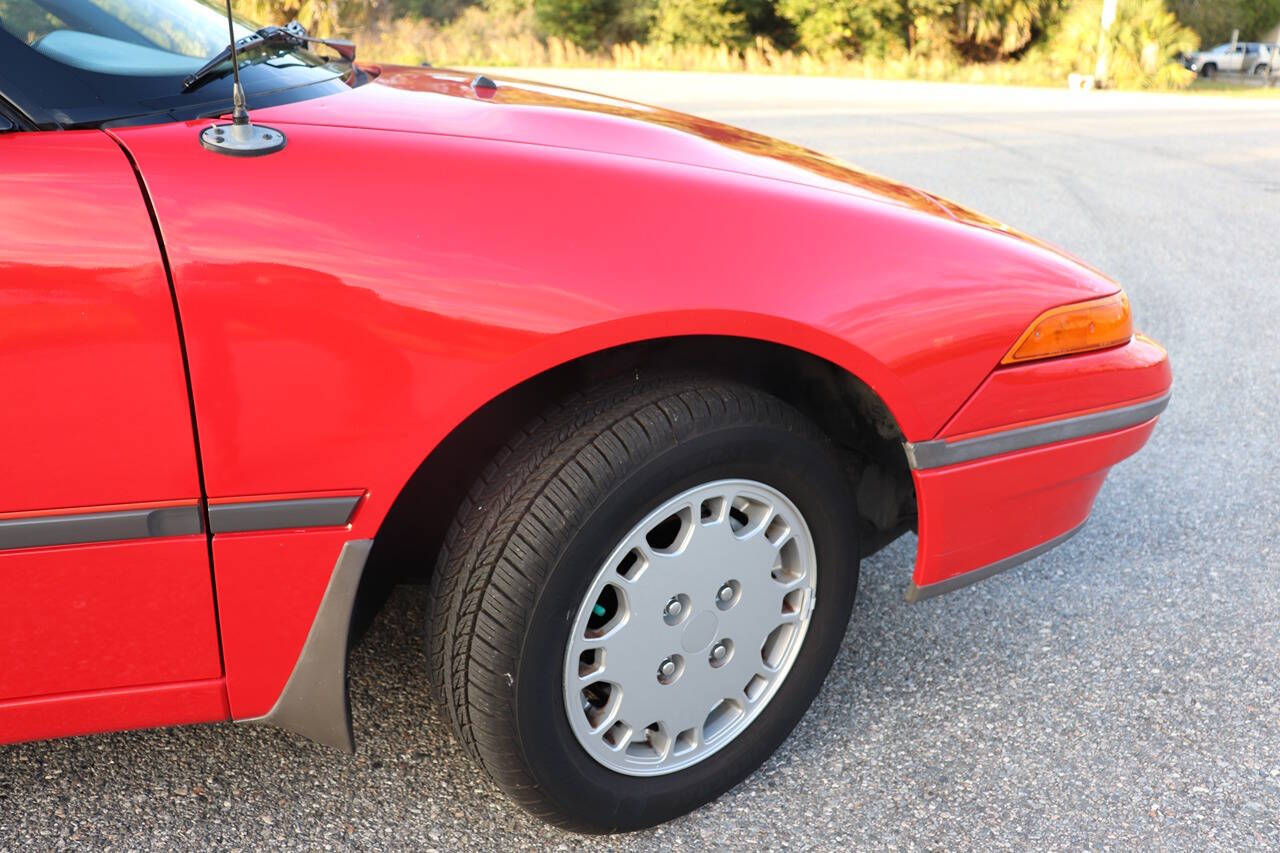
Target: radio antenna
x=239, y=109
x=241, y=138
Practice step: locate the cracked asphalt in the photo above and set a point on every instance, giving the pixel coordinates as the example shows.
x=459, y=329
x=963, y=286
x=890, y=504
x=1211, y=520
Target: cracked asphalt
x=1119, y=692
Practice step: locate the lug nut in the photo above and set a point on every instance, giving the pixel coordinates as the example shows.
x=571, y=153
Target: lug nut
x=720, y=653
x=670, y=669
x=673, y=608
x=728, y=594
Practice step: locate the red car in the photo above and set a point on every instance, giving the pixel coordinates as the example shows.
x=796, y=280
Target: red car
x=632, y=391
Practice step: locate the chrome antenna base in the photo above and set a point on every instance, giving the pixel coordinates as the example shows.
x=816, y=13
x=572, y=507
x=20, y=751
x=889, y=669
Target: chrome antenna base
x=242, y=140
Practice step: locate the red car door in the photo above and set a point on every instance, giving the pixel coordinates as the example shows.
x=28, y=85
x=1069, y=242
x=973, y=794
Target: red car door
x=104, y=566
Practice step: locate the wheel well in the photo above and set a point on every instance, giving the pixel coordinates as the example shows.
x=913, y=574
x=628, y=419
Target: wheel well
x=855, y=418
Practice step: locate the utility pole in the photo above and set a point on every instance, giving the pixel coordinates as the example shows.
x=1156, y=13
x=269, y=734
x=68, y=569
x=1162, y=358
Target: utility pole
x=1104, y=42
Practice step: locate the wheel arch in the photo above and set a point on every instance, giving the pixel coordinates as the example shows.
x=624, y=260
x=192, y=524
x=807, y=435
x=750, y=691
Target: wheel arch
x=856, y=417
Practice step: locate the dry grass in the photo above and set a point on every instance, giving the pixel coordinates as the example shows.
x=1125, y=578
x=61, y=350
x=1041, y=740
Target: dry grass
x=477, y=38
x=412, y=42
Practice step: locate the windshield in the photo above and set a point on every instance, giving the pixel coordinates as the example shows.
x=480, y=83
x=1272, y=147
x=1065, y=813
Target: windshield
x=79, y=62
x=136, y=37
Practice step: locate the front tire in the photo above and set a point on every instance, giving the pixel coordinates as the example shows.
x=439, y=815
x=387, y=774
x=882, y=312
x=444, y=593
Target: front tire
x=520, y=598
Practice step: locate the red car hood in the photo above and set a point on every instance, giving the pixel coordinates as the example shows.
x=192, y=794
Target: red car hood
x=444, y=102
x=438, y=101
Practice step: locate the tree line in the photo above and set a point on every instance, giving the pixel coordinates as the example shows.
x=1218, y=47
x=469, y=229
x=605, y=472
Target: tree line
x=977, y=30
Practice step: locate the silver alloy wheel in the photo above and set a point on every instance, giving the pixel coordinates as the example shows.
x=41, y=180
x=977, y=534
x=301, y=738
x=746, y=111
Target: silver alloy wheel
x=690, y=627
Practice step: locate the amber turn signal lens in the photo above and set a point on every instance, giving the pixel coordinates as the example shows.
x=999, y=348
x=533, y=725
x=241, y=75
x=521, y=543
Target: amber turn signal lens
x=1082, y=327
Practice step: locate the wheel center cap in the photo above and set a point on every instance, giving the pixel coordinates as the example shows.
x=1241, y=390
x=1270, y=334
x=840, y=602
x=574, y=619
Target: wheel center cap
x=700, y=631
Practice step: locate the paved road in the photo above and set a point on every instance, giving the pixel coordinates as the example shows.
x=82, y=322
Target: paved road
x=1118, y=692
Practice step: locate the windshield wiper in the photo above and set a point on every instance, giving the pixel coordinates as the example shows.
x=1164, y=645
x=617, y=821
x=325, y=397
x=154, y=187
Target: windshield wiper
x=291, y=35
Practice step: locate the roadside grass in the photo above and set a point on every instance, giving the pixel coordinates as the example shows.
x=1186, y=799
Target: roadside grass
x=410, y=42
x=477, y=39
x=1234, y=89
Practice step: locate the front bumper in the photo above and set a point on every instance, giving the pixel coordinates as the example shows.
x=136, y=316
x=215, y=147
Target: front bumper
x=991, y=497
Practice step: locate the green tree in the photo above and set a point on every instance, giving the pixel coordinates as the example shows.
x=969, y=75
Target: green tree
x=595, y=24
x=927, y=25
x=763, y=20
x=1215, y=19
x=848, y=27
x=979, y=29
x=699, y=22
x=320, y=17
x=995, y=29
x=1145, y=42
x=435, y=10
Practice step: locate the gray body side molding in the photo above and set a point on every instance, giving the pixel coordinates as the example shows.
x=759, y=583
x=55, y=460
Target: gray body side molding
x=314, y=701
x=281, y=515
x=49, y=530
x=920, y=593
x=940, y=452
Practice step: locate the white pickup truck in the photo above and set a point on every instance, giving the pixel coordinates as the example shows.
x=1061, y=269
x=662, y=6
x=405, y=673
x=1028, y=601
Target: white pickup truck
x=1242, y=57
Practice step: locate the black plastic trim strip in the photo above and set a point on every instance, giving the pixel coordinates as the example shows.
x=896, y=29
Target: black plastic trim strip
x=922, y=455
x=281, y=515
x=84, y=528
x=920, y=593
x=45, y=531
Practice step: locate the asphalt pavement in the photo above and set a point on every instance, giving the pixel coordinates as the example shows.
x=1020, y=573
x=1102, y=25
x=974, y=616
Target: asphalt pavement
x=1119, y=692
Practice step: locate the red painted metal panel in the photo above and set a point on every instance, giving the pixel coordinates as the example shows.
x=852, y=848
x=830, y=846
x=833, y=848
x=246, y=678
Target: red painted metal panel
x=95, y=417
x=377, y=333
x=86, y=617
x=269, y=587
x=288, y=496
x=487, y=241
x=83, y=510
x=96, y=408
x=976, y=513
x=113, y=710
x=442, y=102
x=1062, y=387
